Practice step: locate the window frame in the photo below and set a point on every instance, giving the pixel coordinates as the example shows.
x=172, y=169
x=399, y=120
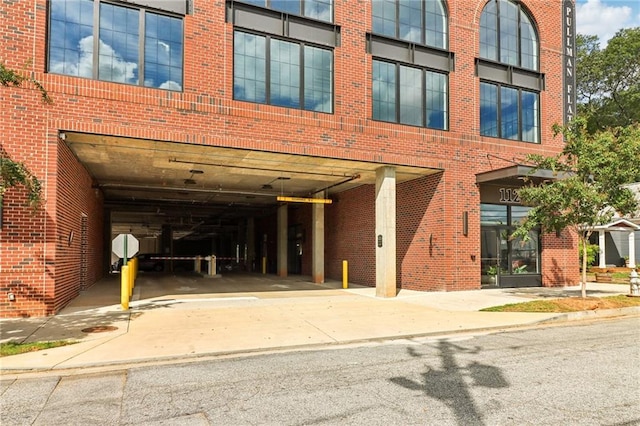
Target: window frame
x=301, y=66
x=498, y=29
x=499, y=122
x=267, y=4
x=142, y=8
x=423, y=24
x=424, y=98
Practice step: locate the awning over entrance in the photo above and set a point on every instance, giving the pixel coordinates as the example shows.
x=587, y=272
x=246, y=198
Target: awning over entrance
x=514, y=175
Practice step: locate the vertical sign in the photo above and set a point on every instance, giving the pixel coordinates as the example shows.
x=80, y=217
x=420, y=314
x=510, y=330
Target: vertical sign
x=569, y=68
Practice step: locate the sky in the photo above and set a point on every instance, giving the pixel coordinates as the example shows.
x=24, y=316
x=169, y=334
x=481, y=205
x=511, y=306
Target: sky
x=604, y=18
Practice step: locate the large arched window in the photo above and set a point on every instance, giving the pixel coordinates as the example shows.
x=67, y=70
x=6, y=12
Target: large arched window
x=510, y=83
x=417, y=21
x=507, y=35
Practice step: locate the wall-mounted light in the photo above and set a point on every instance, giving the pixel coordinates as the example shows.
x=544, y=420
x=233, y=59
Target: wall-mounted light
x=465, y=223
x=62, y=136
x=12, y=297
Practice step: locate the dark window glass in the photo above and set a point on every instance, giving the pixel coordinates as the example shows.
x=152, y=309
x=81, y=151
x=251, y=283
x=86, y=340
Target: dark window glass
x=384, y=17
x=119, y=44
x=509, y=113
x=418, y=21
x=493, y=214
x=71, y=38
x=122, y=50
x=410, y=20
x=528, y=43
x=488, y=109
x=489, y=32
x=436, y=100
x=316, y=9
x=435, y=24
x=409, y=95
x=288, y=6
x=318, y=79
x=530, y=108
x=507, y=35
x=249, y=68
x=319, y=9
x=163, y=52
x=384, y=91
x=282, y=66
x=285, y=74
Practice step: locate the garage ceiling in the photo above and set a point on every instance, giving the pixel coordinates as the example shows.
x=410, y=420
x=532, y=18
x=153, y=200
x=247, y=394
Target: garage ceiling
x=149, y=183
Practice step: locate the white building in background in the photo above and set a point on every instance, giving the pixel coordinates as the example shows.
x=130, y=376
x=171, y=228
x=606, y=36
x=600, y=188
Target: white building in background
x=619, y=240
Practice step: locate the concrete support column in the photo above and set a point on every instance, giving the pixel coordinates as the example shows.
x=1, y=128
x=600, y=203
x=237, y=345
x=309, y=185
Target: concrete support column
x=252, y=264
x=317, y=241
x=632, y=249
x=385, y=238
x=601, y=244
x=282, y=240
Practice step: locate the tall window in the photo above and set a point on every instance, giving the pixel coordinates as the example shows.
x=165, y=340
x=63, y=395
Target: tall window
x=509, y=113
x=278, y=72
x=128, y=45
x=507, y=35
x=316, y=9
x=418, y=21
x=509, y=100
x=409, y=95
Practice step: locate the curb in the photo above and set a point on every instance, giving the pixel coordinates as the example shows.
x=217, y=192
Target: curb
x=188, y=358
x=594, y=314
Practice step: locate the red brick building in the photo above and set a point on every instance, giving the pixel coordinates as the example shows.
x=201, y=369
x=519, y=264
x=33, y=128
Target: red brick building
x=181, y=122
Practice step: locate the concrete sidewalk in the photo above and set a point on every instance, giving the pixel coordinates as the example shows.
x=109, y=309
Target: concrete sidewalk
x=181, y=317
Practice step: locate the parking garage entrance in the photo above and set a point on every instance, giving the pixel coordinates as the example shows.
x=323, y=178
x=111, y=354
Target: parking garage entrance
x=185, y=200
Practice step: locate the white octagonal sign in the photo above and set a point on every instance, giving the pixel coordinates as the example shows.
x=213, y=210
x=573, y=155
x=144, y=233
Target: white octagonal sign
x=125, y=245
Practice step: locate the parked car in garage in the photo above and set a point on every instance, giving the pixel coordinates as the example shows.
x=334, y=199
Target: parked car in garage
x=146, y=262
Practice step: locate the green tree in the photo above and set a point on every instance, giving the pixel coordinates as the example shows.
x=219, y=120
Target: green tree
x=608, y=80
x=589, y=187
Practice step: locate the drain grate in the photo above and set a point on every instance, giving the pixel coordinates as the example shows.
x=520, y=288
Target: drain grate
x=99, y=329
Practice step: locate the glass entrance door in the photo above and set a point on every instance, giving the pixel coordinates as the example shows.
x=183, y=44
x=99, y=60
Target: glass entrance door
x=508, y=261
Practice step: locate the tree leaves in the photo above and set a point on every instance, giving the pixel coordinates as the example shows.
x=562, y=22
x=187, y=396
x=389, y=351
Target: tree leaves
x=608, y=80
x=12, y=174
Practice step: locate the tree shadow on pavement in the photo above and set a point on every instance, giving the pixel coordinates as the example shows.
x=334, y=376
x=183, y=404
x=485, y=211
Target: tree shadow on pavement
x=452, y=382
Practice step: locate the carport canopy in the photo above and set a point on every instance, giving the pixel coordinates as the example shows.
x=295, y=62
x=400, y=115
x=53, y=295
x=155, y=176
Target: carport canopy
x=148, y=183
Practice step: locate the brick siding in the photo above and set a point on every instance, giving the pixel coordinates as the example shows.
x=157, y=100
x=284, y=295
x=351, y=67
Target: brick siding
x=39, y=265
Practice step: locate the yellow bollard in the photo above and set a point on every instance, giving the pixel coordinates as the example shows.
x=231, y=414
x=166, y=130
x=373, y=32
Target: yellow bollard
x=131, y=276
x=124, y=287
x=345, y=274
x=264, y=265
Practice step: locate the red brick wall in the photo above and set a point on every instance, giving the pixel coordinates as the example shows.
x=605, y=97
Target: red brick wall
x=205, y=113
x=350, y=235
x=75, y=198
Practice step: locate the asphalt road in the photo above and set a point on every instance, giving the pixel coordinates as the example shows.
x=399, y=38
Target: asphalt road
x=580, y=374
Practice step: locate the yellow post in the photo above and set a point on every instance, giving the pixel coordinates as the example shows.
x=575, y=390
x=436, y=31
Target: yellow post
x=264, y=265
x=131, y=272
x=345, y=274
x=124, y=287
